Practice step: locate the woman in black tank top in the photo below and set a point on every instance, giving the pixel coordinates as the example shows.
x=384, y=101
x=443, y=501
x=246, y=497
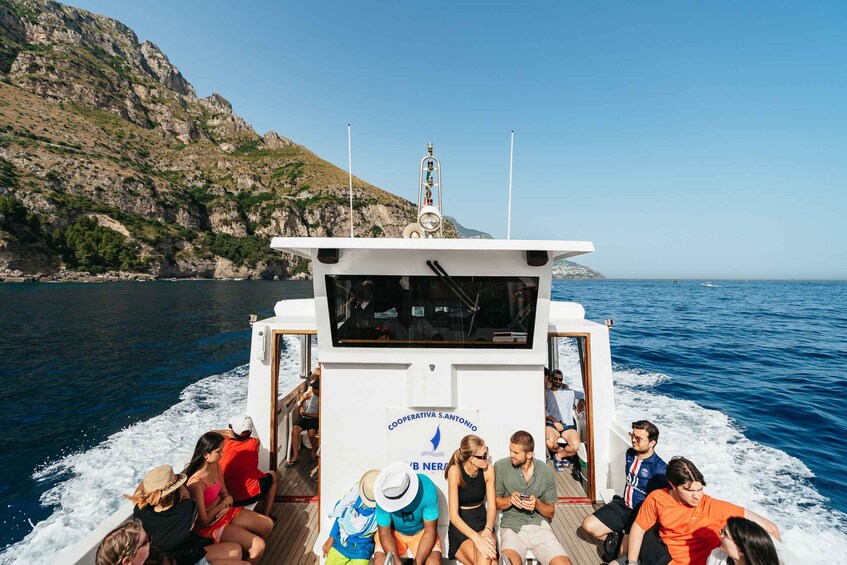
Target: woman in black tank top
x=470, y=497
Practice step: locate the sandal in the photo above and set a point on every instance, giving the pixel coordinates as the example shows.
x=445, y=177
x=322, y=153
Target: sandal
x=290, y=464
x=313, y=459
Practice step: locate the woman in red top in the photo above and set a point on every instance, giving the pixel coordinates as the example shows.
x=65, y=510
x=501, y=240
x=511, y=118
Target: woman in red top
x=689, y=520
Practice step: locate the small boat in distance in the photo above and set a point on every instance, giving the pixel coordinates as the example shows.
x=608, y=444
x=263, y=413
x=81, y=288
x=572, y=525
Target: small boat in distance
x=708, y=284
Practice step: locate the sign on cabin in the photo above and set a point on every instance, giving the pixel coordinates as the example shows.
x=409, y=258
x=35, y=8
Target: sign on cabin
x=426, y=439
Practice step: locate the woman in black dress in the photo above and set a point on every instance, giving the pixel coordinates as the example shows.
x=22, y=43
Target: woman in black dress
x=470, y=486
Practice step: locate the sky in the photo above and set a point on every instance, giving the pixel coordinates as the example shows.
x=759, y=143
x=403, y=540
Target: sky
x=684, y=139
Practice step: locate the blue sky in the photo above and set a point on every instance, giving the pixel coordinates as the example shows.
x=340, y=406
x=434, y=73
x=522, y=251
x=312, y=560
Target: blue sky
x=685, y=139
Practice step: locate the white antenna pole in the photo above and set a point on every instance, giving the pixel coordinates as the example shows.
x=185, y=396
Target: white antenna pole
x=350, y=171
x=511, y=155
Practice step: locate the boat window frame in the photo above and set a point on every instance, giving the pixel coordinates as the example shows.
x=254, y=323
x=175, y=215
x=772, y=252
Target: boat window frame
x=505, y=342
x=591, y=495
x=277, y=338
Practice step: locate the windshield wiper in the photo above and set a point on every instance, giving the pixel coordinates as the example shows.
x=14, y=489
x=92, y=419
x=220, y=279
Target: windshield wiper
x=452, y=285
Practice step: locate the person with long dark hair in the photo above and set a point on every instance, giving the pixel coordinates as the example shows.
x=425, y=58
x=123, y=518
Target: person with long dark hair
x=470, y=496
x=218, y=519
x=744, y=542
x=168, y=514
x=689, y=520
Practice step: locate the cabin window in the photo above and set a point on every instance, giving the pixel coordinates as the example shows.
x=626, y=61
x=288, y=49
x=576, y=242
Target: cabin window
x=428, y=311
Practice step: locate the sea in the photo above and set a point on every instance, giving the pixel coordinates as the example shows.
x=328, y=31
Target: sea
x=101, y=382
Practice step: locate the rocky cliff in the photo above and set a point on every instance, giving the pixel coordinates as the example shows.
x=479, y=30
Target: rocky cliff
x=110, y=164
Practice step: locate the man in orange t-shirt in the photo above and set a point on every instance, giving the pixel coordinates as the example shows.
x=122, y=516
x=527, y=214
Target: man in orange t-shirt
x=688, y=520
x=245, y=482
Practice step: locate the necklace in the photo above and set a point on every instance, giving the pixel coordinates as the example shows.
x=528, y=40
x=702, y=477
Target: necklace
x=476, y=472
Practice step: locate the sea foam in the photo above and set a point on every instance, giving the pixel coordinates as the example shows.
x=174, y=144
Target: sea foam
x=765, y=480
x=99, y=477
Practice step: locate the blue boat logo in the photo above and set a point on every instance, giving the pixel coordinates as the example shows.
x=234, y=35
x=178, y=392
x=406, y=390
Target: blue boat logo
x=435, y=441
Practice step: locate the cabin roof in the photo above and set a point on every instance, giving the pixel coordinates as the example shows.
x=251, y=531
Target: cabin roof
x=305, y=246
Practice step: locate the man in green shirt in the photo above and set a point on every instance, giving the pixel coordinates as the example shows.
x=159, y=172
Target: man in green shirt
x=526, y=493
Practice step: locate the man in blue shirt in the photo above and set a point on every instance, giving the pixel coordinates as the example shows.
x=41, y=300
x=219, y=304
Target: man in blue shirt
x=406, y=516
x=645, y=472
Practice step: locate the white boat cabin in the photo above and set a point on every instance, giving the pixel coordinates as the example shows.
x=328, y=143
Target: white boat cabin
x=422, y=341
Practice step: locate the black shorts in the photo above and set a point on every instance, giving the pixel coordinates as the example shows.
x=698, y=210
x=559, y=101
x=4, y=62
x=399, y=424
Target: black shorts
x=616, y=515
x=265, y=484
x=564, y=427
x=308, y=423
x=653, y=549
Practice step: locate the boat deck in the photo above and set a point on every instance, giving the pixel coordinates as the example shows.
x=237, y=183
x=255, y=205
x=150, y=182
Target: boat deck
x=296, y=511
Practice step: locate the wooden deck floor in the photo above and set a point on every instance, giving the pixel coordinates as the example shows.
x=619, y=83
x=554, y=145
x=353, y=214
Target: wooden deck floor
x=296, y=530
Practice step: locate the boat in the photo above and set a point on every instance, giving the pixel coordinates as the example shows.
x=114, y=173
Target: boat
x=421, y=341
x=708, y=284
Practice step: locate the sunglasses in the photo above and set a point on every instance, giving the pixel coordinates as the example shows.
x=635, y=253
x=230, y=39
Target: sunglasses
x=637, y=439
x=482, y=457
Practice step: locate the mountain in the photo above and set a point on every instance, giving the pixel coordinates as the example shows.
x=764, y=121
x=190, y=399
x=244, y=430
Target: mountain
x=111, y=165
x=563, y=269
x=467, y=233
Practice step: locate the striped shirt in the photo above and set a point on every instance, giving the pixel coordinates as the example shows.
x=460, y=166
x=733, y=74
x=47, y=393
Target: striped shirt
x=642, y=477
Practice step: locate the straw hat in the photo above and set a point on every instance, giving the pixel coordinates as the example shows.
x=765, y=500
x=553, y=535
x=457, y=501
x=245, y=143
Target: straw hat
x=163, y=478
x=366, y=488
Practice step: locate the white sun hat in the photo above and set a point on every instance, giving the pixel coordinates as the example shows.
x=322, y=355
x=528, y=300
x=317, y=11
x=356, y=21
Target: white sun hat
x=396, y=487
x=241, y=424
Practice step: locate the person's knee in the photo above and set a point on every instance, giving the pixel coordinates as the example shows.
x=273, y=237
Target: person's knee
x=257, y=547
x=267, y=525
x=561, y=560
x=230, y=549
x=274, y=475
x=513, y=556
x=594, y=527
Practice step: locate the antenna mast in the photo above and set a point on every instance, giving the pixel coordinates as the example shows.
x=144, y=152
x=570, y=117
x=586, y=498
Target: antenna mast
x=511, y=155
x=350, y=172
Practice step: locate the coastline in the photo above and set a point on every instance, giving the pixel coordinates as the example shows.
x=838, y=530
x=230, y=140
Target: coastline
x=63, y=276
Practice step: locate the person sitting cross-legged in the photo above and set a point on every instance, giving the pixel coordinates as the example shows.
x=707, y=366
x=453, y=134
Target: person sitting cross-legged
x=525, y=490
x=406, y=516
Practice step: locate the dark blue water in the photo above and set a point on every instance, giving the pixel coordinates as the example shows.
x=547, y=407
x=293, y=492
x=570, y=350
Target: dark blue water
x=770, y=354
x=79, y=362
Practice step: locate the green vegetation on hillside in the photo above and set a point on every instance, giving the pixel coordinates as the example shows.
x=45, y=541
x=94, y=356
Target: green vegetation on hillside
x=88, y=246
x=242, y=251
x=8, y=176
